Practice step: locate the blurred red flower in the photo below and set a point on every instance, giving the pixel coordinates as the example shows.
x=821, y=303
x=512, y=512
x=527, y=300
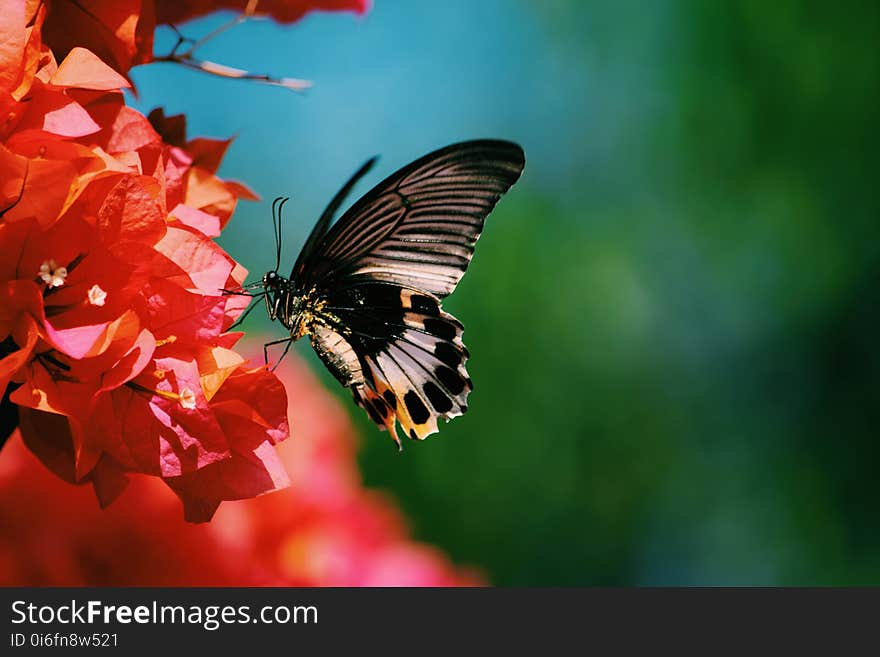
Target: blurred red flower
x=325, y=530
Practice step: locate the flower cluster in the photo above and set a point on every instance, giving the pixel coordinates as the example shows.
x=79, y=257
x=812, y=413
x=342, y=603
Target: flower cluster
x=120, y=33
x=325, y=530
x=115, y=355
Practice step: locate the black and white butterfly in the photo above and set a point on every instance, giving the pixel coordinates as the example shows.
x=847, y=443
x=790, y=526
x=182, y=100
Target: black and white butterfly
x=367, y=289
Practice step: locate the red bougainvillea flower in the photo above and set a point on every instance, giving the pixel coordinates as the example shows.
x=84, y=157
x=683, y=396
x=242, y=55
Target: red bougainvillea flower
x=119, y=32
x=325, y=530
x=114, y=354
x=283, y=11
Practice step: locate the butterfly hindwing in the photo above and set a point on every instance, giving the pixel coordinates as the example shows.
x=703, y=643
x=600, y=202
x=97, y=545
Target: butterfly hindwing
x=410, y=355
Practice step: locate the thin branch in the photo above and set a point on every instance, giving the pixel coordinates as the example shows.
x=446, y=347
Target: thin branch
x=241, y=18
x=224, y=71
x=189, y=60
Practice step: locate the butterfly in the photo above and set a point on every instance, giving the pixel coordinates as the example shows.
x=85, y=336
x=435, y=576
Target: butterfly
x=367, y=289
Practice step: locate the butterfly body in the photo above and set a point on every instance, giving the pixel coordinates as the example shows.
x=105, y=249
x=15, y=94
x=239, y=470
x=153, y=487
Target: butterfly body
x=368, y=290
x=287, y=304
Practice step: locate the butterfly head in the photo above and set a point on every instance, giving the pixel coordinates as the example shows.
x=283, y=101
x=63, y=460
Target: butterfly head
x=276, y=292
x=272, y=282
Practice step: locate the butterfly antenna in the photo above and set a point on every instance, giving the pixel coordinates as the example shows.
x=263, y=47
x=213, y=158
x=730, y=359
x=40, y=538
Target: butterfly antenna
x=276, y=230
x=278, y=234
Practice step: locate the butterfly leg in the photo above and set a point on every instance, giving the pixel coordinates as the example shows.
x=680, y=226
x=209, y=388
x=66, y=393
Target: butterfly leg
x=243, y=315
x=266, y=346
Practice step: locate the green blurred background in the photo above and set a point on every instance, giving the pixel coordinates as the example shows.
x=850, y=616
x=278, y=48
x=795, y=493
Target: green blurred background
x=672, y=317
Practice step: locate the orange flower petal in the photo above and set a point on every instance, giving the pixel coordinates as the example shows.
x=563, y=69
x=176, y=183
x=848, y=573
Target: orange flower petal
x=84, y=69
x=12, y=43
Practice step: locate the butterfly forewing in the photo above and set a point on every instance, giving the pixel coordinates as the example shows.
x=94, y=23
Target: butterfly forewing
x=418, y=227
x=326, y=218
x=373, y=283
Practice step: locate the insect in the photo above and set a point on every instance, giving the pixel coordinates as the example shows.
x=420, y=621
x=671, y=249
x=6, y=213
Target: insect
x=367, y=289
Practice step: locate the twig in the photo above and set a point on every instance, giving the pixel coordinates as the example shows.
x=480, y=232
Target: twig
x=224, y=71
x=241, y=18
x=188, y=59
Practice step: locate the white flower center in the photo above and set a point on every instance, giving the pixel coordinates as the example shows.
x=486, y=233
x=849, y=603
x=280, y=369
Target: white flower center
x=187, y=399
x=52, y=274
x=97, y=296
